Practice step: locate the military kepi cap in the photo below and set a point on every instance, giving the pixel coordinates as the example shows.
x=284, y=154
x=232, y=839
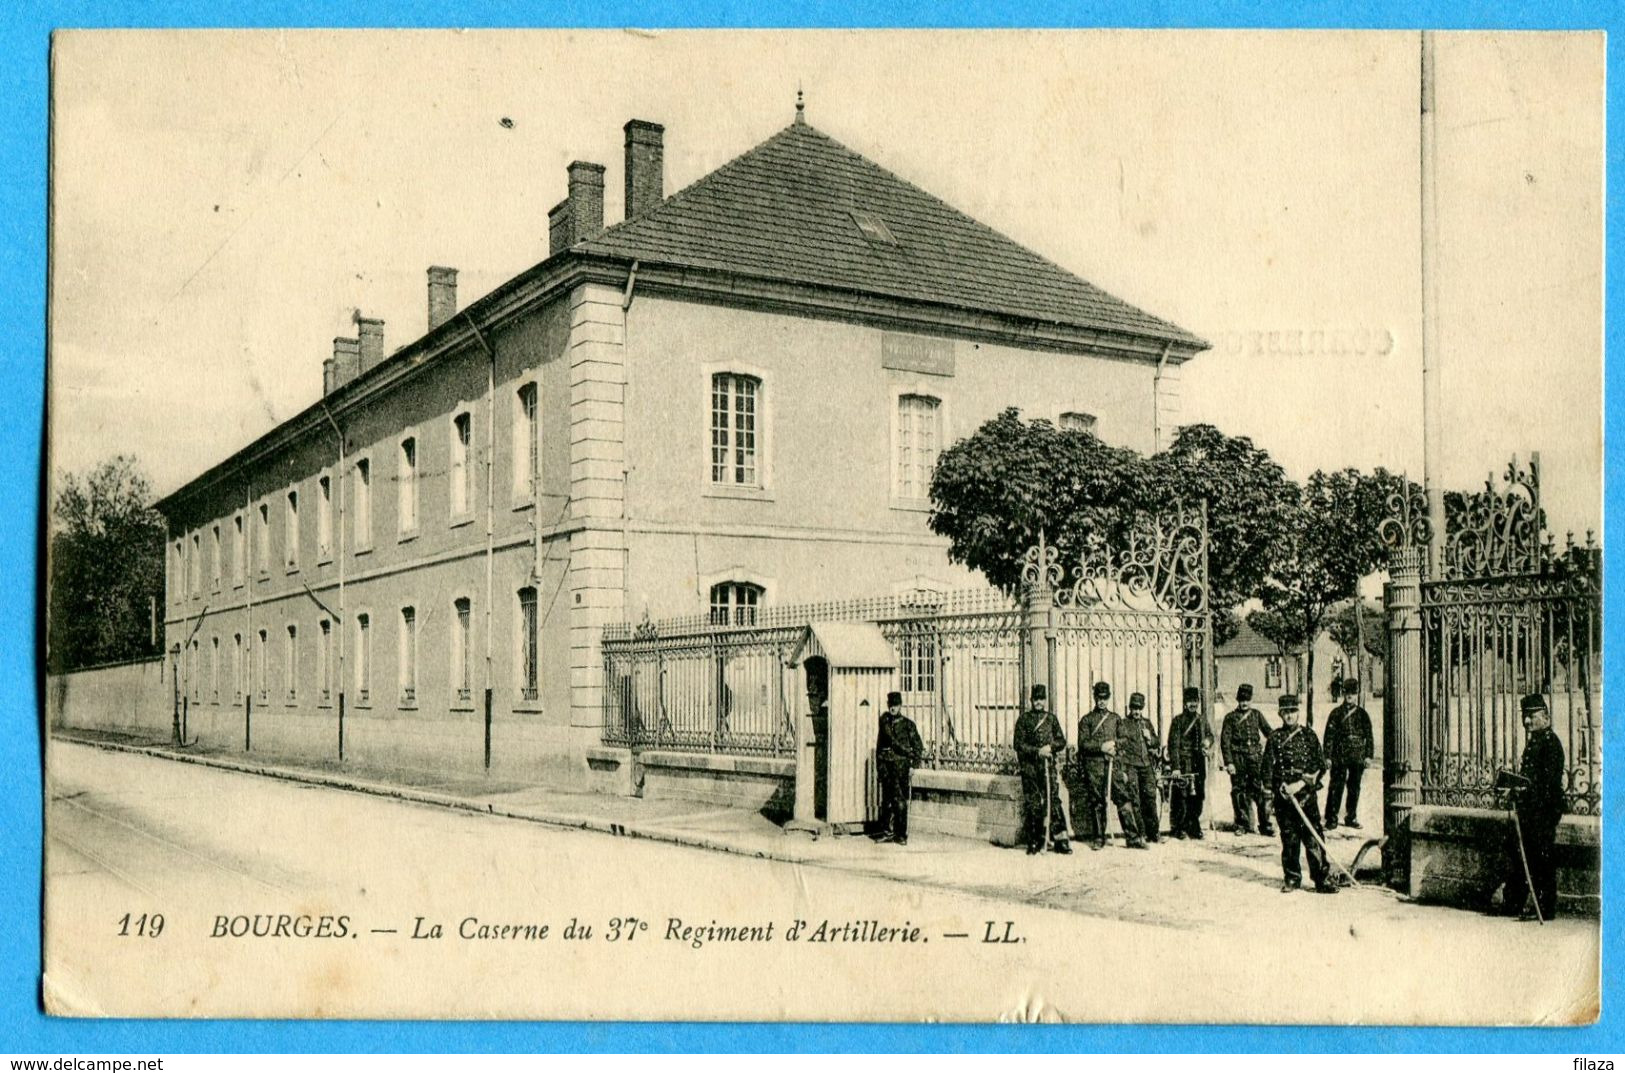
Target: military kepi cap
x=1136, y=700
x=1102, y=691
x=1288, y=702
x=1040, y=692
x=1192, y=693
x=893, y=698
x=1244, y=692
x=1534, y=702
x=1351, y=686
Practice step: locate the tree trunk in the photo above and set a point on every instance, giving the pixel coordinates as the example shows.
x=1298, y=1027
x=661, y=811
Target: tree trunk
x=1309, y=679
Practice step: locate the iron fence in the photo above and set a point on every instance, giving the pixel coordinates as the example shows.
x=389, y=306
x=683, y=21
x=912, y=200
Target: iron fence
x=691, y=684
x=1486, y=644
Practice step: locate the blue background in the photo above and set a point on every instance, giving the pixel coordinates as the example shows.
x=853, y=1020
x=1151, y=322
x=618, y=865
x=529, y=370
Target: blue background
x=24, y=99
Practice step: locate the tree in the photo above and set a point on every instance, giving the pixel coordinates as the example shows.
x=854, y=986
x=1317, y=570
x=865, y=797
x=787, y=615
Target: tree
x=1332, y=542
x=993, y=492
x=1249, y=509
x=1283, y=631
x=1348, y=632
x=106, y=563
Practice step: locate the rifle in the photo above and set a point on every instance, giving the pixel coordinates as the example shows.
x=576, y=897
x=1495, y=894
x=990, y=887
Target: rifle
x=1307, y=826
x=1512, y=782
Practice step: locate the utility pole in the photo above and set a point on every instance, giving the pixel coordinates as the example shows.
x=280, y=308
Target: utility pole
x=1432, y=428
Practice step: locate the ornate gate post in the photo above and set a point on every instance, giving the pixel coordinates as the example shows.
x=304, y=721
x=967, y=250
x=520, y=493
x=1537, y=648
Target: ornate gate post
x=1407, y=532
x=1040, y=573
x=1402, y=729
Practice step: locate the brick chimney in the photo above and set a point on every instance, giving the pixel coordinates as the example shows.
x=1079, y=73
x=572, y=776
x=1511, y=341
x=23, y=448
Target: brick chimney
x=581, y=215
x=346, y=361
x=442, y=295
x=371, y=333
x=329, y=376
x=645, y=171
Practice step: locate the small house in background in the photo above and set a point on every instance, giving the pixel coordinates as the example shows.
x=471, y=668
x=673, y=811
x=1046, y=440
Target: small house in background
x=1251, y=657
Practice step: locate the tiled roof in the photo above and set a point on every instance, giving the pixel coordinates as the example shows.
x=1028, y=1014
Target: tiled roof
x=790, y=209
x=1246, y=642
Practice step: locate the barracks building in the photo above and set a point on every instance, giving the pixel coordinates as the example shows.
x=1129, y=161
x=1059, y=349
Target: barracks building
x=732, y=398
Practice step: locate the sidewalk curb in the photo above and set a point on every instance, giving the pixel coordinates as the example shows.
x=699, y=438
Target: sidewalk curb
x=561, y=820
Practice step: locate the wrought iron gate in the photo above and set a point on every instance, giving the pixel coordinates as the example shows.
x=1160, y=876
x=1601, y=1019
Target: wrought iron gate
x=1509, y=614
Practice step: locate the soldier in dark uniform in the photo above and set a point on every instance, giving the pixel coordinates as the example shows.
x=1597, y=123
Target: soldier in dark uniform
x=1349, y=745
x=1040, y=743
x=898, y=751
x=1540, y=805
x=1241, y=746
x=1137, y=748
x=1098, y=736
x=1294, y=764
x=1190, y=739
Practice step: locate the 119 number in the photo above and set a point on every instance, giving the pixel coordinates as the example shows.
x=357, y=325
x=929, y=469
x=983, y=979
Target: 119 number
x=151, y=926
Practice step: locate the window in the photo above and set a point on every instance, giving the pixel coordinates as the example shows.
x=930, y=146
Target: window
x=406, y=483
x=363, y=658
x=263, y=555
x=462, y=474
x=919, y=438
x=734, y=400
x=873, y=228
x=293, y=529
x=214, y=561
x=260, y=657
x=462, y=635
x=1272, y=672
x=917, y=661
x=733, y=603
x=524, y=446
x=324, y=661
x=236, y=667
x=1077, y=421
x=290, y=664
x=363, y=503
x=197, y=672
x=409, y=656
x=194, y=573
x=239, y=551
x=177, y=572
x=324, y=517
x=214, y=670
x=527, y=643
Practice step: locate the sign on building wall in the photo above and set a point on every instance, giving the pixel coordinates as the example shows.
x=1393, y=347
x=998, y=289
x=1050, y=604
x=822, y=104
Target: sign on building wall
x=917, y=354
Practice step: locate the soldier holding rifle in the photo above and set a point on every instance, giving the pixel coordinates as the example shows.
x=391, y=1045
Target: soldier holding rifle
x=1190, y=739
x=1294, y=763
x=1241, y=744
x=1100, y=779
x=1537, y=810
x=1040, y=743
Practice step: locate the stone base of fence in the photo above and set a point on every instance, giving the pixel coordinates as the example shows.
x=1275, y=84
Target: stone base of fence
x=766, y=783
x=967, y=804
x=1457, y=857
x=612, y=770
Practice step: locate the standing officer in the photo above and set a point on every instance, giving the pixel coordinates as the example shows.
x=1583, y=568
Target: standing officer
x=1241, y=746
x=898, y=751
x=1137, y=746
x=1040, y=743
x=1098, y=736
x=1349, y=745
x=1540, y=808
x=1190, y=739
x=1294, y=764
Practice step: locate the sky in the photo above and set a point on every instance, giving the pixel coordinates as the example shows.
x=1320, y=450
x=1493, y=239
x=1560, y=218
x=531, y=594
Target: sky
x=222, y=202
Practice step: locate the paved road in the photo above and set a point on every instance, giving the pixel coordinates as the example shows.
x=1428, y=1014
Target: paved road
x=349, y=878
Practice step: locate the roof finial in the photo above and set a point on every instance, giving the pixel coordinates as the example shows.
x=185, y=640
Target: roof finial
x=801, y=105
